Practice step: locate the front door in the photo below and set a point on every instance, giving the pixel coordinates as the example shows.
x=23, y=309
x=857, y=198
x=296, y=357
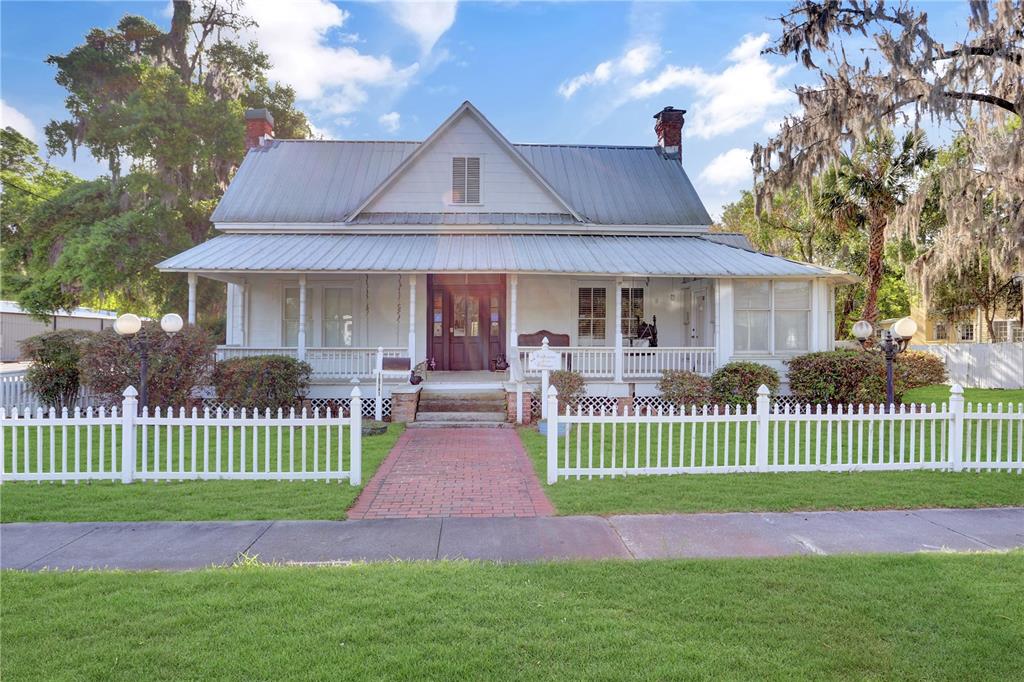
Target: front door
x=698, y=316
x=467, y=321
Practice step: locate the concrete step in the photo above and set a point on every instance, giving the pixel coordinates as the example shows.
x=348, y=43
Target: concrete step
x=431, y=394
x=458, y=425
x=460, y=416
x=446, y=405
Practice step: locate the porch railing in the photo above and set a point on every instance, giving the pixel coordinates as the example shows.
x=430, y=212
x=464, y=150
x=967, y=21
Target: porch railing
x=598, y=362
x=327, y=363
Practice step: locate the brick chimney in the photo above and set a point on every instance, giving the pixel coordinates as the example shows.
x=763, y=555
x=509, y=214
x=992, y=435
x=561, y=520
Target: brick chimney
x=259, y=127
x=669, y=128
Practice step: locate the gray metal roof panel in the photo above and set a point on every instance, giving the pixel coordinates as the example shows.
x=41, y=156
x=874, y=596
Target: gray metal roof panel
x=590, y=254
x=318, y=181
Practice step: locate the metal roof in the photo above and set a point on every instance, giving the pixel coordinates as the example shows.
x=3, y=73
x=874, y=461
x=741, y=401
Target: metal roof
x=366, y=218
x=537, y=253
x=318, y=181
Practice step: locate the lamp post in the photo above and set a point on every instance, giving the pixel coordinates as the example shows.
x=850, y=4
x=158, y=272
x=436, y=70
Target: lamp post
x=894, y=341
x=128, y=327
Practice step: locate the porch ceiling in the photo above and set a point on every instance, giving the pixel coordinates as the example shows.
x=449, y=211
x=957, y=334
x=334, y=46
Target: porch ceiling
x=637, y=256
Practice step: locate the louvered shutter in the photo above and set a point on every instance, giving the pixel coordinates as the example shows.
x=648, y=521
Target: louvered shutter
x=473, y=180
x=459, y=180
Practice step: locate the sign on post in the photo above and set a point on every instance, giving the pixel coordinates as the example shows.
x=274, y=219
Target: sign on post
x=546, y=360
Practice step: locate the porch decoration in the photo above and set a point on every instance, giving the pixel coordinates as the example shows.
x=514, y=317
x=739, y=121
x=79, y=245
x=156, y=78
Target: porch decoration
x=894, y=341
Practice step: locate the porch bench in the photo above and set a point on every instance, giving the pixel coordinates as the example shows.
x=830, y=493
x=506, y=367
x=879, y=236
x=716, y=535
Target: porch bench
x=554, y=341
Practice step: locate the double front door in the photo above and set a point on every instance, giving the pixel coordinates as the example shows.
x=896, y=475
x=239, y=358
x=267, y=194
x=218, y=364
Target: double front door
x=467, y=321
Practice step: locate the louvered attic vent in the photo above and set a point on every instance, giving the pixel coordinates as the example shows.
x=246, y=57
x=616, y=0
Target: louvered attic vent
x=466, y=180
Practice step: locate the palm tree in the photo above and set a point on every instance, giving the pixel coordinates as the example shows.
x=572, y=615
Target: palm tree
x=863, y=190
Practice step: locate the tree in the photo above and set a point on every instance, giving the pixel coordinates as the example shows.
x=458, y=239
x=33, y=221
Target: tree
x=970, y=286
x=54, y=374
x=973, y=85
x=170, y=105
x=864, y=189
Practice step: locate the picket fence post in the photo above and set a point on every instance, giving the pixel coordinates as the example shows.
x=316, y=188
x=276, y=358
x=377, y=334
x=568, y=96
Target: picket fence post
x=552, y=426
x=763, y=410
x=956, y=437
x=128, y=408
x=355, y=416
x=378, y=398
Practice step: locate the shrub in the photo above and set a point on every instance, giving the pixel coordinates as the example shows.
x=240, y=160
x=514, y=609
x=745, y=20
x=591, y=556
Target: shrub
x=916, y=368
x=177, y=364
x=736, y=383
x=571, y=386
x=838, y=377
x=262, y=382
x=54, y=375
x=684, y=389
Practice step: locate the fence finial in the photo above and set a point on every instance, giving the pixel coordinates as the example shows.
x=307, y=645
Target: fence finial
x=552, y=392
x=356, y=393
x=763, y=390
x=956, y=389
x=130, y=392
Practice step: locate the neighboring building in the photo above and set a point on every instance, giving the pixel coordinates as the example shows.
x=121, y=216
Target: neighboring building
x=16, y=325
x=968, y=327
x=463, y=249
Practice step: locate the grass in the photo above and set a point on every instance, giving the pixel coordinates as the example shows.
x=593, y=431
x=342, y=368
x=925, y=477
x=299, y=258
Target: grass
x=189, y=500
x=787, y=491
x=915, y=617
x=939, y=394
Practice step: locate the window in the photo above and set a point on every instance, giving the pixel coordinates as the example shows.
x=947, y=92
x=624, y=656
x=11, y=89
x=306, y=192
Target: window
x=632, y=310
x=290, y=318
x=772, y=317
x=966, y=330
x=940, y=332
x=591, y=316
x=1005, y=330
x=339, y=322
x=466, y=180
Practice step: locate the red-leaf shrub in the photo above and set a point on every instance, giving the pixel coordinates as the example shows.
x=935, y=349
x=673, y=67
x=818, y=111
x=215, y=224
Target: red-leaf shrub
x=838, y=377
x=917, y=368
x=177, y=364
x=262, y=382
x=684, y=389
x=54, y=375
x=736, y=383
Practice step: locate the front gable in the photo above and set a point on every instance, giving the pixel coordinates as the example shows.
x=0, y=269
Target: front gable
x=424, y=184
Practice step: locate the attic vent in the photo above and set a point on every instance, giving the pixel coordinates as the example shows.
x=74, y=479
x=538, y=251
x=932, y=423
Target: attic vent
x=466, y=180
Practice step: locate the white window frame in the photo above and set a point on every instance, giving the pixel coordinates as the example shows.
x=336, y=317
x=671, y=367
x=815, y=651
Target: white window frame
x=451, y=187
x=356, y=333
x=609, y=294
x=963, y=327
x=771, y=319
x=626, y=317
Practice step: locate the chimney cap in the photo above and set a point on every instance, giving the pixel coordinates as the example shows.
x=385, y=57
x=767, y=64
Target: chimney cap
x=259, y=115
x=668, y=110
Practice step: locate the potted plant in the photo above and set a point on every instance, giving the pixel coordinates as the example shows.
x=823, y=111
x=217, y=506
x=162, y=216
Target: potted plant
x=571, y=387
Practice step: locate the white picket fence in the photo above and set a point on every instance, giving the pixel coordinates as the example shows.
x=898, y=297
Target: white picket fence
x=119, y=444
x=763, y=438
x=15, y=393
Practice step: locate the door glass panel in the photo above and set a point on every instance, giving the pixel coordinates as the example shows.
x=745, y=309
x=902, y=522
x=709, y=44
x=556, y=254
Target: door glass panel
x=438, y=317
x=473, y=315
x=458, y=315
x=495, y=317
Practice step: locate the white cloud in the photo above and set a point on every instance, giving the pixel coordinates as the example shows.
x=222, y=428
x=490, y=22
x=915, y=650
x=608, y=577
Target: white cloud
x=729, y=168
x=634, y=62
x=390, y=121
x=427, y=21
x=742, y=94
x=9, y=116
x=333, y=79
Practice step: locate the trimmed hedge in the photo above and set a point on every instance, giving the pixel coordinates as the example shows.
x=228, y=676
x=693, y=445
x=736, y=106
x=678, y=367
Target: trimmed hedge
x=262, y=382
x=736, y=383
x=684, y=389
x=854, y=377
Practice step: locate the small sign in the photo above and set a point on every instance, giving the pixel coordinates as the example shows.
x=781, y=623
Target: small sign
x=545, y=360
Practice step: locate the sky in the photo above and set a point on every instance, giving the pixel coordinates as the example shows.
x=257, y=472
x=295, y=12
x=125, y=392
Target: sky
x=567, y=72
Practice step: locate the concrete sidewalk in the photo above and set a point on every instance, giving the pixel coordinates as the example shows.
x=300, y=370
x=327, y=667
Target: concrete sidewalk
x=179, y=546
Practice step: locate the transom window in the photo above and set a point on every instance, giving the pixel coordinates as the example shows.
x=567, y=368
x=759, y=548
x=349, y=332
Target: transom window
x=466, y=180
x=771, y=316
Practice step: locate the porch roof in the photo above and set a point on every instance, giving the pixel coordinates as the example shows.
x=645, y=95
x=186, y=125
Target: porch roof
x=642, y=256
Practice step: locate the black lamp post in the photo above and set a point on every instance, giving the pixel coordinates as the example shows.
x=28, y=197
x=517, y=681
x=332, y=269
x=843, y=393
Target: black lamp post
x=894, y=341
x=128, y=326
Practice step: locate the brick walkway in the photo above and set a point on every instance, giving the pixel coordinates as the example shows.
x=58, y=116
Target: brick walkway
x=454, y=472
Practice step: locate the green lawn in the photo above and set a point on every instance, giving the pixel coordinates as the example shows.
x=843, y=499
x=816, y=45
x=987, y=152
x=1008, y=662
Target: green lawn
x=784, y=491
x=989, y=396
x=915, y=617
x=191, y=500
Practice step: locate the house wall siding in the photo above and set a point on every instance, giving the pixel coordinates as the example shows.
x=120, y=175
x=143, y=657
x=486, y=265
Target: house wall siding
x=505, y=186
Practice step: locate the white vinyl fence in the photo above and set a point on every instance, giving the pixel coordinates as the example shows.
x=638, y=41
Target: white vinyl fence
x=762, y=438
x=981, y=365
x=15, y=393
x=119, y=444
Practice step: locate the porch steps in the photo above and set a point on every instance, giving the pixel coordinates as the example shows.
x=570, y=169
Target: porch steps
x=467, y=407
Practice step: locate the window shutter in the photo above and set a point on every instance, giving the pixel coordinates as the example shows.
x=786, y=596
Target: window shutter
x=459, y=180
x=473, y=180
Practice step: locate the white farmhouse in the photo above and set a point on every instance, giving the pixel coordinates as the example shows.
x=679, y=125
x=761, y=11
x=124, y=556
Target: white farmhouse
x=463, y=250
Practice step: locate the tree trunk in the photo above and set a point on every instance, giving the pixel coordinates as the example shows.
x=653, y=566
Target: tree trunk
x=876, y=254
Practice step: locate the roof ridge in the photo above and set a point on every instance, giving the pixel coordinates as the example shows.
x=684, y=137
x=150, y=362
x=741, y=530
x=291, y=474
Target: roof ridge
x=514, y=144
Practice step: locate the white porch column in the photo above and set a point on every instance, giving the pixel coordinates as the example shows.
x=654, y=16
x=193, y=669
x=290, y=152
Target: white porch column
x=412, y=322
x=724, y=307
x=193, y=279
x=618, y=331
x=300, y=350
x=513, y=321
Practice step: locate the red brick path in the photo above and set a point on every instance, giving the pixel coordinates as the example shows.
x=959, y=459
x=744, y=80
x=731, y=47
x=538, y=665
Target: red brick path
x=454, y=472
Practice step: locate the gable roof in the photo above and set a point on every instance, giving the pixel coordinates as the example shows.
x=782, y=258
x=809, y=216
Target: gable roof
x=318, y=181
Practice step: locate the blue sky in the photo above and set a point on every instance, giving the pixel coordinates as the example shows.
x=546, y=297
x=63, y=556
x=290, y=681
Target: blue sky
x=568, y=72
